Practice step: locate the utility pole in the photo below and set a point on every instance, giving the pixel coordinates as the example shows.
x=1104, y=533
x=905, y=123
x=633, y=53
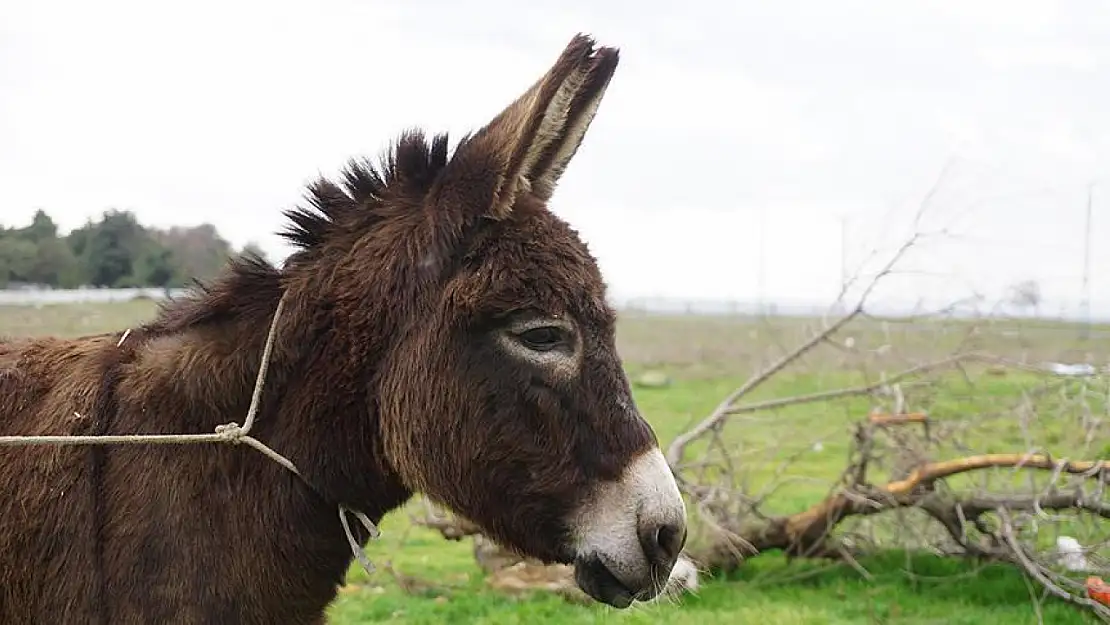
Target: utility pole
x=843, y=253
x=1085, y=305
x=762, y=264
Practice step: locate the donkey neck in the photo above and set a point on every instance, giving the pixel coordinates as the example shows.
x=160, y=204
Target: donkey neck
x=316, y=407
x=194, y=368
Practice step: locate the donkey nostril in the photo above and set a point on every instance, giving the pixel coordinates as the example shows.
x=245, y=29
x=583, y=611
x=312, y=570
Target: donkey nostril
x=671, y=539
x=663, y=542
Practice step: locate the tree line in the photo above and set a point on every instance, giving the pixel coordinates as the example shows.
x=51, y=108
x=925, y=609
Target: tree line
x=114, y=251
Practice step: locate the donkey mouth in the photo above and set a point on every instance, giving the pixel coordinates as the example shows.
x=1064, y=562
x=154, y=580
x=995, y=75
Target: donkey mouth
x=597, y=581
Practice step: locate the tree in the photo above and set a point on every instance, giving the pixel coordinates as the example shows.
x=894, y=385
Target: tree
x=17, y=259
x=156, y=267
x=112, y=248
x=78, y=238
x=1026, y=294
x=114, y=251
x=42, y=228
x=55, y=264
x=200, y=251
x=253, y=249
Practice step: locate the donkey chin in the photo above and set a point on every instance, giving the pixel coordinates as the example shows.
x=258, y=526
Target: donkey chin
x=630, y=533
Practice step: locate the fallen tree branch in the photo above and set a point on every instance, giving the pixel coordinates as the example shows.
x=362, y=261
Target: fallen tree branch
x=806, y=533
x=897, y=419
x=939, y=470
x=452, y=528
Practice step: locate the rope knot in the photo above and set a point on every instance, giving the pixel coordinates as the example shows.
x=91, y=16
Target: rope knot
x=230, y=432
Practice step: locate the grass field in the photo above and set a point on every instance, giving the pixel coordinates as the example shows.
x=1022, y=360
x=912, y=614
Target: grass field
x=706, y=358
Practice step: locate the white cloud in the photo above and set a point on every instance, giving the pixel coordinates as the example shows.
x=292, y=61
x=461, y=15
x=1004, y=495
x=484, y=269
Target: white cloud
x=1055, y=55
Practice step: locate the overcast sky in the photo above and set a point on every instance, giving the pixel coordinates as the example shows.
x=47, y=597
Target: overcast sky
x=732, y=130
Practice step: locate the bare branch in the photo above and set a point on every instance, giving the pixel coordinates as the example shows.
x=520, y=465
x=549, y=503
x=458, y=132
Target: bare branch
x=1038, y=573
x=806, y=533
x=678, y=447
x=850, y=391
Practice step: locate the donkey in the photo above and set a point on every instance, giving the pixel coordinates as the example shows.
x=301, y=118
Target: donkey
x=442, y=333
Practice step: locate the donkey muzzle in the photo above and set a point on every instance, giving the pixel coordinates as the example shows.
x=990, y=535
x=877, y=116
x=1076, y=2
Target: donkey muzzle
x=630, y=533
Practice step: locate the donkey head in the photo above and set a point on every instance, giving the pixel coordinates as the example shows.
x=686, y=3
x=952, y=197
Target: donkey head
x=501, y=394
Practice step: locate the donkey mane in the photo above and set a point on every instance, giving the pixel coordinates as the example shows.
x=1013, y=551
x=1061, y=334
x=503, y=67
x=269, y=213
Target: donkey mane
x=410, y=167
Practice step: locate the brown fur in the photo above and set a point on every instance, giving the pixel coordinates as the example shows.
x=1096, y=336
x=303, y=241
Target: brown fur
x=386, y=378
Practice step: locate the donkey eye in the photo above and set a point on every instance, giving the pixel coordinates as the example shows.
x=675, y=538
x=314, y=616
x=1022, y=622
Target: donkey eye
x=542, y=339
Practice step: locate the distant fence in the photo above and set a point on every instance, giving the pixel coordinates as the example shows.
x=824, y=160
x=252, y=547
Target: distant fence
x=657, y=305
x=31, y=297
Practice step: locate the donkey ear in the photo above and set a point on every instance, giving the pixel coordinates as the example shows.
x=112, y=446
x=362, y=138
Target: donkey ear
x=528, y=145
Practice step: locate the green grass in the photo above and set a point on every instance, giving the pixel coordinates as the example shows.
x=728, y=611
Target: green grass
x=707, y=358
x=904, y=589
